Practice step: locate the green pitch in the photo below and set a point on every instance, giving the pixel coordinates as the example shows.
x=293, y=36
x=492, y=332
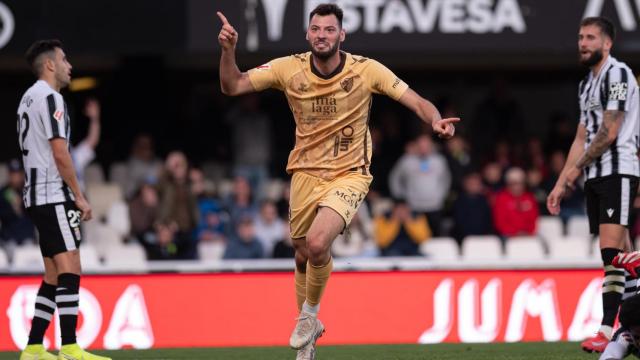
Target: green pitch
x=524, y=351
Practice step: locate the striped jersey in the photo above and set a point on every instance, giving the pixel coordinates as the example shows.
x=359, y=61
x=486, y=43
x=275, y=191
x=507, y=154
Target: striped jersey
x=613, y=88
x=42, y=116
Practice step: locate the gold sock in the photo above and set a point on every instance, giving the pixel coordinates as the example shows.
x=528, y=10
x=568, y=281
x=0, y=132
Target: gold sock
x=301, y=288
x=317, y=278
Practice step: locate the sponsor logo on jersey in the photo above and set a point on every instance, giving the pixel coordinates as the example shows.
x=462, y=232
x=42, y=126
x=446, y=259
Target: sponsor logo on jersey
x=58, y=115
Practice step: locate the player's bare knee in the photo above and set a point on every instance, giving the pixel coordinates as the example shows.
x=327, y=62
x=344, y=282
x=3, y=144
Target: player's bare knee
x=317, y=249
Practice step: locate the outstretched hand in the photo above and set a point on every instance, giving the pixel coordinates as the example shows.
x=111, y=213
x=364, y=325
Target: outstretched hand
x=445, y=128
x=228, y=36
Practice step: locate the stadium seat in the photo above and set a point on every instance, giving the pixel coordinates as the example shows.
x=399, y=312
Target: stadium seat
x=440, y=248
x=209, y=251
x=119, y=174
x=4, y=260
x=102, y=237
x=101, y=197
x=89, y=258
x=127, y=257
x=94, y=174
x=27, y=258
x=527, y=248
x=569, y=248
x=118, y=218
x=595, y=248
x=578, y=226
x=485, y=247
x=549, y=227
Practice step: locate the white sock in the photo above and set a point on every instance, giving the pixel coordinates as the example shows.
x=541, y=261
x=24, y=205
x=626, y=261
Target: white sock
x=313, y=310
x=606, y=330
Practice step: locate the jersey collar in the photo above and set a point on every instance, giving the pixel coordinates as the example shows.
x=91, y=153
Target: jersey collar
x=338, y=70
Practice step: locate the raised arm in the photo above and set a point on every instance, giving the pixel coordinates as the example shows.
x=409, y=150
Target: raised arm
x=232, y=81
x=428, y=113
x=92, y=111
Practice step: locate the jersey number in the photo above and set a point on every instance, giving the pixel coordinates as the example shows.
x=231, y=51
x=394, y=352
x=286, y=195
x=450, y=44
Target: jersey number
x=23, y=135
x=74, y=218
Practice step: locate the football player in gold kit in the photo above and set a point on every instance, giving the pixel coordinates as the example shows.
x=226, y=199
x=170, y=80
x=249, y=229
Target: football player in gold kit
x=329, y=92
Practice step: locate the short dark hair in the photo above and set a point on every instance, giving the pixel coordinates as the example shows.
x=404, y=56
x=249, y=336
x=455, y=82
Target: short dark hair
x=327, y=9
x=38, y=48
x=605, y=25
x=630, y=312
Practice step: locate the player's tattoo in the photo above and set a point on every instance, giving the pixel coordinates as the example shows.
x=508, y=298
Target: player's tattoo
x=600, y=142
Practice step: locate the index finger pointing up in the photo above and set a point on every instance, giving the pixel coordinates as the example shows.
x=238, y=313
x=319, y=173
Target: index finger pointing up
x=222, y=18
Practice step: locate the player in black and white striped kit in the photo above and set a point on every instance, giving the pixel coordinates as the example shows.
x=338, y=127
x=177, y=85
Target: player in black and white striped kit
x=53, y=199
x=605, y=151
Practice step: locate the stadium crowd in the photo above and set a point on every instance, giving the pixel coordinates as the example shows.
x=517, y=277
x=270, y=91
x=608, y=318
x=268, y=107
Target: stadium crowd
x=495, y=183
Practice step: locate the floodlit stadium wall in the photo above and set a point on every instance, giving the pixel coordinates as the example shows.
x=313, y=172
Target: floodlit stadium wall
x=247, y=309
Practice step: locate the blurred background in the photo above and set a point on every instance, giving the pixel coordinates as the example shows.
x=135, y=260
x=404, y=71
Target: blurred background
x=179, y=172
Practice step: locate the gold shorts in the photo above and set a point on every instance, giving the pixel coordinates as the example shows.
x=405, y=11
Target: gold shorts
x=344, y=194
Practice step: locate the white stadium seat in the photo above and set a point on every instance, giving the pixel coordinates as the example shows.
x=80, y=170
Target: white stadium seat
x=524, y=248
x=89, y=258
x=549, y=227
x=4, y=259
x=118, y=218
x=440, y=249
x=127, y=257
x=578, y=226
x=569, y=248
x=101, y=236
x=119, y=174
x=102, y=196
x=209, y=251
x=485, y=247
x=27, y=258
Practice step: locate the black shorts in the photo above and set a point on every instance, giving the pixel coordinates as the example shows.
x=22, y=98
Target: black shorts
x=58, y=227
x=610, y=200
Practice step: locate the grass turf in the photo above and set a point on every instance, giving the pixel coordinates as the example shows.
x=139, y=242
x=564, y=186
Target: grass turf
x=545, y=351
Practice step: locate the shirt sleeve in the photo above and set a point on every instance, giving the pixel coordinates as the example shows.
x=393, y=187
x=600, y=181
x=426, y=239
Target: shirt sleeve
x=269, y=75
x=583, y=118
x=52, y=112
x=384, y=81
x=617, y=86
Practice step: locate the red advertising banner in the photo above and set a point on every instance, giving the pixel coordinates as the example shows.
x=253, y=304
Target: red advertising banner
x=185, y=310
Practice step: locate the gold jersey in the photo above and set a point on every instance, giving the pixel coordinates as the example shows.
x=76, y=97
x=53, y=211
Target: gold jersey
x=331, y=112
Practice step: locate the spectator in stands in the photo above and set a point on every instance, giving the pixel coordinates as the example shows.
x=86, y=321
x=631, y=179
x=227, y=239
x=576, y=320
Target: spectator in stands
x=423, y=179
x=178, y=206
x=240, y=202
x=251, y=141
x=213, y=221
x=459, y=160
x=515, y=211
x=143, y=210
x=84, y=152
x=573, y=200
x=268, y=226
x=245, y=244
x=492, y=179
x=163, y=243
x=471, y=209
x=17, y=227
x=142, y=163
x=401, y=233
x=534, y=184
